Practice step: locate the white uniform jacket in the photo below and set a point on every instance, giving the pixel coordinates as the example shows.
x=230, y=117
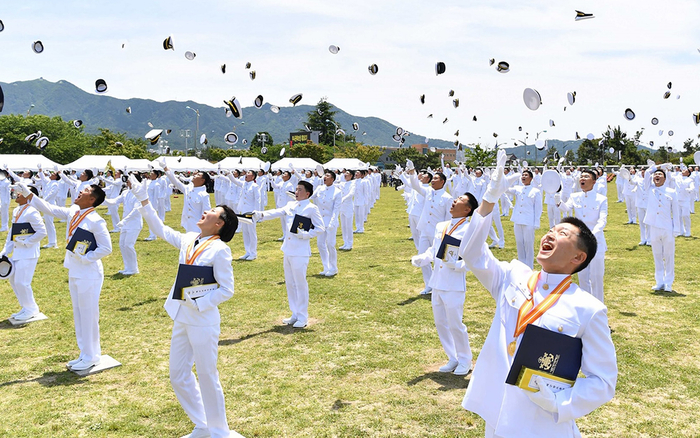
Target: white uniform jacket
x=528, y=205
x=507, y=408
x=592, y=208
x=249, y=198
x=328, y=199
x=347, y=194
x=94, y=223
x=131, y=216
x=294, y=246
x=436, y=208
x=217, y=255
x=28, y=247
x=444, y=278
x=196, y=202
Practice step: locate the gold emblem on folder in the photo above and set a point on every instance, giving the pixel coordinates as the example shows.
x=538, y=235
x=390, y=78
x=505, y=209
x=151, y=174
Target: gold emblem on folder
x=548, y=362
x=197, y=281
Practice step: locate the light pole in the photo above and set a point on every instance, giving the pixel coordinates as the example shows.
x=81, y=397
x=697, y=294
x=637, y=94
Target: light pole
x=336, y=129
x=196, y=129
x=262, y=137
x=187, y=134
x=29, y=110
x=536, y=138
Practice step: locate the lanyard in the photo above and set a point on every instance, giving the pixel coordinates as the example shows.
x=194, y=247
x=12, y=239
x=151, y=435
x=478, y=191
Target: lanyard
x=189, y=260
x=21, y=210
x=528, y=315
x=460, y=222
x=77, y=219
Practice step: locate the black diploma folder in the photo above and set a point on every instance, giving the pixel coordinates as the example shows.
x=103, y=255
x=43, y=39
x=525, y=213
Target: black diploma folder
x=552, y=355
x=193, y=276
x=302, y=222
x=449, y=244
x=22, y=229
x=82, y=242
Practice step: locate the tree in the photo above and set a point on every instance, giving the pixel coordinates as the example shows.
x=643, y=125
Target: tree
x=316, y=121
x=366, y=154
x=117, y=143
x=552, y=156
x=689, y=148
x=476, y=156
x=569, y=157
x=588, y=152
x=311, y=150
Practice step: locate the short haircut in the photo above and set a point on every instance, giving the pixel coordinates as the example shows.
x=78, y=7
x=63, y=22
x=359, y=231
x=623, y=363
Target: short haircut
x=429, y=174
x=528, y=172
x=158, y=172
x=332, y=174
x=98, y=193
x=89, y=173
x=255, y=174
x=442, y=177
x=307, y=186
x=137, y=175
x=590, y=172
x=228, y=229
x=288, y=173
x=473, y=203
x=661, y=170
x=207, y=178
x=34, y=190
x=586, y=241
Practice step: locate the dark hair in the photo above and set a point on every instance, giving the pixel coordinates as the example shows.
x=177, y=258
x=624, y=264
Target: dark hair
x=429, y=174
x=442, y=177
x=255, y=174
x=660, y=170
x=352, y=174
x=89, y=173
x=58, y=176
x=332, y=174
x=228, y=229
x=207, y=178
x=473, y=203
x=98, y=193
x=157, y=172
x=137, y=175
x=528, y=172
x=288, y=173
x=34, y=190
x=307, y=186
x=591, y=173
x=586, y=241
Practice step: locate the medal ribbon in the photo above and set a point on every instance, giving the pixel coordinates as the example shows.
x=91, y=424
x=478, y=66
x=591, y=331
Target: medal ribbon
x=77, y=220
x=460, y=222
x=21, y=210
x=526, y=315
x=189, y=260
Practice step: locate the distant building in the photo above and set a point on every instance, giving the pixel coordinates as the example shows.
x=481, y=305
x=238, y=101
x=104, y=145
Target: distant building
x=423, y=148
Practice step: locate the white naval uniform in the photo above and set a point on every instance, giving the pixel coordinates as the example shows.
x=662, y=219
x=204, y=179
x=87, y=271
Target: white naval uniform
x=248, y=201
x=50, y=194
x=526, y=219
x=131, y=225
x=195, y=337
x=346, y=211
x=4, y=203
x=449, y=288
x=297, y=252
x=328, y=200
x=84, y=280
x=24, y=254
x=642, y=198
x=360, y=202
x=195, y=204
x=592, y=208
x=507, y=409
x=663, y=218
x=685, y=190
x=281, y=188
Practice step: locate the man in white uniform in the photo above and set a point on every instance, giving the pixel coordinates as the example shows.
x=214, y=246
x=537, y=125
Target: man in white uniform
x=526, y=217
x=328, y=199
x=248, y=201
x=347, y=188
x=508, y=410
x=196, y=197
x=129, y=228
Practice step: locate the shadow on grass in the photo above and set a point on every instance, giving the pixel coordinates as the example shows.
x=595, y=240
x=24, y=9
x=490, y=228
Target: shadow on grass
x=140, y=303
x=50, y=379
x=414, y=298
x=6, y=325
x=663, y=293
x=628, y=314
x=447, y=381
x=281, y=329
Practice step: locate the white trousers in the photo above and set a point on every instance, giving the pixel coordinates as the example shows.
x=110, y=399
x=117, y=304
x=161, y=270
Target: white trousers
x=591, y=278
x=448, y=309
x=663, y=246
x=50, y=229
x=21, y=282
x=201, y=397
x=525, y=243
x=127, y=241
x=620, y=189
x=297, y=286
x=360, y=217
x=346, y=229
x=553, y=214
x=326, y=248
x=496, y=219
x=684, y=207
x=113, y=211
x=85, y=296
x=4, y=215
x=413, y=225
x=250, y=238
x=631, y=208
x=643, y=228
x=423, y=244
x=159, y=205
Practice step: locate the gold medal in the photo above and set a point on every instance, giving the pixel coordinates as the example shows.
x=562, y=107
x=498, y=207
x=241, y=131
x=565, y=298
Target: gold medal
x=511, y=348
x=545, y=286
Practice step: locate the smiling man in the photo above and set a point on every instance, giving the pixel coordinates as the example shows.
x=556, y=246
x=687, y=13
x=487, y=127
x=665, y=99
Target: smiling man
x=546, y=299
x=195, y=194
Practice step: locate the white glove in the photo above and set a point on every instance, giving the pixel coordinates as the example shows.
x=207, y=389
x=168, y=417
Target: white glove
x=4, y=166
x=161, y=163
x=450, y=264
x=38, y=166
x=557, y=198
x=303, y=235
x=498, y=184
x=139, y=190
x=545, y=397
x=120, y=224
x=419, y=261
x=257, y=215
x=83, y=259
x=650, y=163
x=189, y=302
x=55, y=167
x=415, y=261
x=333, y=223
x=22, y=189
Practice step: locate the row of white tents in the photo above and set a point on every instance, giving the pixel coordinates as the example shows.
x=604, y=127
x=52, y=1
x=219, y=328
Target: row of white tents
x=17, y=162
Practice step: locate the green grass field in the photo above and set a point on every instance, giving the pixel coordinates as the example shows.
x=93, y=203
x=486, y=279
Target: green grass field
x=365, y=366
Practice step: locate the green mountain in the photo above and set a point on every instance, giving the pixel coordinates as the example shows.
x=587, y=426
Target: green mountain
x=102, y=111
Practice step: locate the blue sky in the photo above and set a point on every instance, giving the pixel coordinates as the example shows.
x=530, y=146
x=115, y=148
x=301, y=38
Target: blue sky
x=622, y=58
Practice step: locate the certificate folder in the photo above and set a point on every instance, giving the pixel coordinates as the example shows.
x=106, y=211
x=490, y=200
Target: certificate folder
x=449, y=249
x=82, y=242
x=22, y=229
x=301, y=222
x=246, y=218
x=195, y=280
x=554, y=356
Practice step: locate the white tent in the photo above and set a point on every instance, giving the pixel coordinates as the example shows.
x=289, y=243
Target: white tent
x=297, y=163
x=98, y=162
x=16, y=162
x=140, y=164
x=241, y=163
x=345, y=163
x=181, y=164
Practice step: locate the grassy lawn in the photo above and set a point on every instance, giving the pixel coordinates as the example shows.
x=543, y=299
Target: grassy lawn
x=365, y=366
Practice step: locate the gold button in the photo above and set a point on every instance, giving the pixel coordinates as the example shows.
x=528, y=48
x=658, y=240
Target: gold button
x=512, y=301
x=561, y=329
x=545, y=286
